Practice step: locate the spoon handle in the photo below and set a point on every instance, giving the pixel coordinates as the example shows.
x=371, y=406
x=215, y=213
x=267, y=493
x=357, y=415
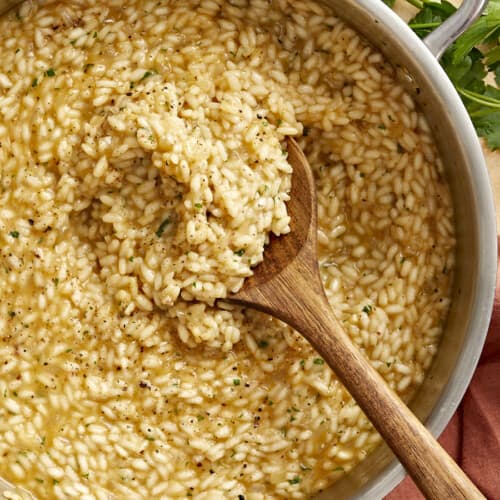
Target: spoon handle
x=432, y=469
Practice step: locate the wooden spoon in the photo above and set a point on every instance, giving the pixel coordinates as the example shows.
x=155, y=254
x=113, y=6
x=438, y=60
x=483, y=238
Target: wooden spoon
x=287, y=285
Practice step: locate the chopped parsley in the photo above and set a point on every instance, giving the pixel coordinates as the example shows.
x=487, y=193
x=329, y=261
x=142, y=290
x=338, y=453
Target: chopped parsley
x=368, y=309
x=240, y=252
x=198, y=205
x=162, y=227
x=14, y=234
x=34, y=82
x=50, y=72
x=263, y=344
x=236, y=381
x=295, y=480
x=319, y=361
x=146, y=75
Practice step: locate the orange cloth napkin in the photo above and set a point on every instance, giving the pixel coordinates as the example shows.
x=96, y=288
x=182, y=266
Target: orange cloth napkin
x=472, y=437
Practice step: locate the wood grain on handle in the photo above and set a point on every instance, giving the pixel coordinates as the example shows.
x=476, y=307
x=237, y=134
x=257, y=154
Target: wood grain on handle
x=288, y=285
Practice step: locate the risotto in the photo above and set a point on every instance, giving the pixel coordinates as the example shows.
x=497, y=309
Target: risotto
x=143, y=168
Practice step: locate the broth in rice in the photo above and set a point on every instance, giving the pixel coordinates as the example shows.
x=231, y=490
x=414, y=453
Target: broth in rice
x=143, y=167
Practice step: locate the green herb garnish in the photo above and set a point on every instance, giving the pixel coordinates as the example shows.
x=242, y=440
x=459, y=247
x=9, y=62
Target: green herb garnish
x=368, y=309
x=162, y=227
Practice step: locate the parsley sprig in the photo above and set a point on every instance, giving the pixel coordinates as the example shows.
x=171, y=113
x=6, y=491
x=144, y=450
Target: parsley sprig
x=468, y=61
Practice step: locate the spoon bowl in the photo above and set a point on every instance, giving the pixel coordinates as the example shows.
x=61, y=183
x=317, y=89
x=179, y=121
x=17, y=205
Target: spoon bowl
x=298, y=247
